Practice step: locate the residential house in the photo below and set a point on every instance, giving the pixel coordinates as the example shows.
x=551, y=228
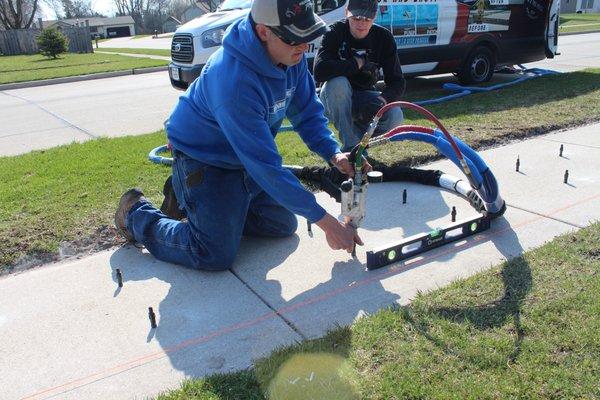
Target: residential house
x=170, y=24
x=190, y=13
x=101, y=27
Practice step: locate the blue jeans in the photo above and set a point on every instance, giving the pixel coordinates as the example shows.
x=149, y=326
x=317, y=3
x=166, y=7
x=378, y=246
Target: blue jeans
x=342, y=104
x=221, y=205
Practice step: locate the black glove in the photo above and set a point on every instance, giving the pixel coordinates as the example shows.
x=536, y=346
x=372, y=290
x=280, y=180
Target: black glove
x=367, y=112
x=370, y=73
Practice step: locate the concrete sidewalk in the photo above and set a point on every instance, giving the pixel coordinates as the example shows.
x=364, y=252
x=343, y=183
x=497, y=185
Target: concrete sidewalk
x=69, y=332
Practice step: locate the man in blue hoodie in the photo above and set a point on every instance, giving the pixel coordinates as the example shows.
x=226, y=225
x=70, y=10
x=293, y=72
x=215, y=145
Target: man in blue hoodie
x=227, y=172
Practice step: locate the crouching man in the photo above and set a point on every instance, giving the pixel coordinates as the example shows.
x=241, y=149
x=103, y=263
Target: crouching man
x=351, y=55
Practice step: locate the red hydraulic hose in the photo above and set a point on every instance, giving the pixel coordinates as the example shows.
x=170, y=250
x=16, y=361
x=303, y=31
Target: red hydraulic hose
x=429, y=116
x=408, y=128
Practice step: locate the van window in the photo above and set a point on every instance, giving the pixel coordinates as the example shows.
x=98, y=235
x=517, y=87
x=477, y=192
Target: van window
x=325, y=6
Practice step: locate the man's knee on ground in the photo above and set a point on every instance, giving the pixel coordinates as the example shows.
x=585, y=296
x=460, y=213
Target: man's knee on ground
x=336, y=88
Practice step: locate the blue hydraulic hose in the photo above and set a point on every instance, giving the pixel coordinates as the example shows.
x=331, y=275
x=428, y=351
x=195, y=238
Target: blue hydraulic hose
x=467, y=90
x=488, y=191
x=443, y=99
x=466, y=151
x=443, y=147
x=476, y=89
x=155, y=158
x=483, y=176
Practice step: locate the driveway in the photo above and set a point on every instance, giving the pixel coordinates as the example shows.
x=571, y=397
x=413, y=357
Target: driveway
x=47, y=116
x=576, y=52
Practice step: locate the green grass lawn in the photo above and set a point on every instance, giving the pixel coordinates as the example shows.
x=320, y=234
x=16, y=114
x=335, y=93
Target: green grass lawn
x=579, y=22
x=69, y=193
x=36, y=67
x=153, y=52
x=526, y=329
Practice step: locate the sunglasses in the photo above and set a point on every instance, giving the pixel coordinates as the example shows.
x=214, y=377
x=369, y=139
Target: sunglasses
x=285, y=40
x=360, y=18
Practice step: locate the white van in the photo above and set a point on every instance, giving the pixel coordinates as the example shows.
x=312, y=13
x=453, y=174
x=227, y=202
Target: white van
x=467, y=37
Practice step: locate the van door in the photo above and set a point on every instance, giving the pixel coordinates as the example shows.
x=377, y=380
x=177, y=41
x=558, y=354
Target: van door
x=552, y=28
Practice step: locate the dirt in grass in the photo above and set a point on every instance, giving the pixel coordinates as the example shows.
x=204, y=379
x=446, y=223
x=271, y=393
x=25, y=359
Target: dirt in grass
x=102, y=238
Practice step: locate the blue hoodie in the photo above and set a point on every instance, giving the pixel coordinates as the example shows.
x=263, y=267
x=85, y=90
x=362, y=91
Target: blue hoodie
x=230, y=115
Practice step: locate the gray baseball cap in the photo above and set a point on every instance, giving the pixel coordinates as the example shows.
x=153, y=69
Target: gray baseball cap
x=294, y=20
x=363, y=8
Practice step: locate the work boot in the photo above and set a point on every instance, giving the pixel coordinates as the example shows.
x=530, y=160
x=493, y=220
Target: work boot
x=170, y=206
x=128, y=199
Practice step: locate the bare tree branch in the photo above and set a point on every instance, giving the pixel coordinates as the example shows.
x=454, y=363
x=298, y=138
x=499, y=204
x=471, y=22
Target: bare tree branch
x=35, y=6
x=14, y=14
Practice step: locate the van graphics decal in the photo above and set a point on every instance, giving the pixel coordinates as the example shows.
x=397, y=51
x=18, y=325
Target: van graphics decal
x=413, y=23
x=488, y=15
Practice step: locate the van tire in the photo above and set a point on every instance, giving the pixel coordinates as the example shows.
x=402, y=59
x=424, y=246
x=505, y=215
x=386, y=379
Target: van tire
x=479, y=66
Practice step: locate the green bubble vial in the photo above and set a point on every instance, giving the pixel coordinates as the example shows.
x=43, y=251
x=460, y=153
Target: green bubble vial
x=392, y=255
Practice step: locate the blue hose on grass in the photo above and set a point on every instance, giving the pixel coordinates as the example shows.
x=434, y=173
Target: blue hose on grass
x=158, y=159
x=467, y=90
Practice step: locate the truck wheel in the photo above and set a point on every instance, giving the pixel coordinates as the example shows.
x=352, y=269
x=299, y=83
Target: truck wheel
x=479, y=66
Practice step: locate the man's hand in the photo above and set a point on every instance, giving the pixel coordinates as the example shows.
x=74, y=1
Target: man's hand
x=339, y=236
x=341, y=162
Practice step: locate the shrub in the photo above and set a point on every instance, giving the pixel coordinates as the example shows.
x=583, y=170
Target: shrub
x=51, y=42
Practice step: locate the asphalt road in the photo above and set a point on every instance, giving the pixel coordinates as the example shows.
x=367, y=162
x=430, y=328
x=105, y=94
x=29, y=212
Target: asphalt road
x=43, y=117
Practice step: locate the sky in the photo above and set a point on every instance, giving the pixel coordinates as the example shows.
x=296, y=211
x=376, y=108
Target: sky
x=106, y=7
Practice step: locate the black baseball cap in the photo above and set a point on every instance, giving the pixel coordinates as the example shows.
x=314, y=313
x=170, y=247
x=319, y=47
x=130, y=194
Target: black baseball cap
x=294, y=20
x=363, y=8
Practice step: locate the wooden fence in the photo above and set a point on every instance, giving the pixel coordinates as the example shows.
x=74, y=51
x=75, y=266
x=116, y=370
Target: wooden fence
x=23, y=41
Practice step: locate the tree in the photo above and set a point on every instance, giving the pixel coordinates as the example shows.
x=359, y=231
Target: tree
x=78, y=8
x=17, y=14
x=52, y=43
x=176, y=8
x=207, y=5
x=135, y=8
x=56, y=7
x=145, y=13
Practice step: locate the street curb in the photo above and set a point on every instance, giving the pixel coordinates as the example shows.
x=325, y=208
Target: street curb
x=44, y=82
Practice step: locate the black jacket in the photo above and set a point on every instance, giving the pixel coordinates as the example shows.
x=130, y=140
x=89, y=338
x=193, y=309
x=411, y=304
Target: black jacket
x=336, y=58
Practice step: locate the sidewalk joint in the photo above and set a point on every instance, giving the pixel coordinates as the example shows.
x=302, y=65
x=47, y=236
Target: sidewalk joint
x=82, y=130
x=545, y=216
x=571, y=143
x=275, y=310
